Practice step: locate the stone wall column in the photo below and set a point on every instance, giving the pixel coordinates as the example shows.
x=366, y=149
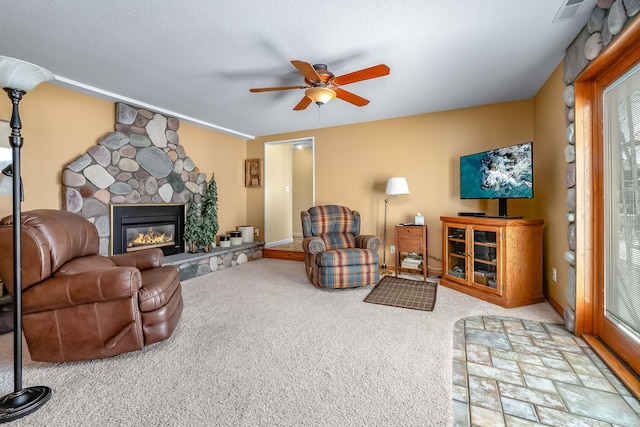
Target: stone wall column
x=607, y=20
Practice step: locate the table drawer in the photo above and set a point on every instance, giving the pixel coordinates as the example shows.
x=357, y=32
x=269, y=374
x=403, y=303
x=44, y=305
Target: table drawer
x=411, y=232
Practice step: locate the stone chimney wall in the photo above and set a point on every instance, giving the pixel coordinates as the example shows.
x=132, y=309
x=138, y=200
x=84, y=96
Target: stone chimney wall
x=607, y=20
x=142, y=162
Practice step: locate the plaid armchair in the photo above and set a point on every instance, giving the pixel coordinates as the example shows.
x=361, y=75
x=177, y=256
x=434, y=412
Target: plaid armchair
x=336, y=254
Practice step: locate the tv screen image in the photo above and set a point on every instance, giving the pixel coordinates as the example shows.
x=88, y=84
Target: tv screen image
x=501, y=173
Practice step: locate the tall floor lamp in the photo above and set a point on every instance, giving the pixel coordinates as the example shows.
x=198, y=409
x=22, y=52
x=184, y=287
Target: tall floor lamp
x=17, y=78
x=395, y=187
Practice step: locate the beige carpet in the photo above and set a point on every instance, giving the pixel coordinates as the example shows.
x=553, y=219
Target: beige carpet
x=258, y=345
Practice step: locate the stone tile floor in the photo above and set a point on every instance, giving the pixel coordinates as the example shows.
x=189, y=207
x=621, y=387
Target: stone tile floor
x=513, y=372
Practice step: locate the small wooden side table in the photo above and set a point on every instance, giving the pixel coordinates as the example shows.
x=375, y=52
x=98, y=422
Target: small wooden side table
x=411, y=238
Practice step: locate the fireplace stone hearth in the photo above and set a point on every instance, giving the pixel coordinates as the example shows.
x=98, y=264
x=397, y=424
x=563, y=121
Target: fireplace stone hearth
x=201, y=263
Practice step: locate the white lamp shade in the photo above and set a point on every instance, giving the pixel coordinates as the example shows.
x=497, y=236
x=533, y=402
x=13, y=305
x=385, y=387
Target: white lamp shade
x=320, y=95
x=17, y=74
x=397, y=186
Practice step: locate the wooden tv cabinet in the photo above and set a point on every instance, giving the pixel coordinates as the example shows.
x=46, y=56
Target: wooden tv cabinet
x=495, y=259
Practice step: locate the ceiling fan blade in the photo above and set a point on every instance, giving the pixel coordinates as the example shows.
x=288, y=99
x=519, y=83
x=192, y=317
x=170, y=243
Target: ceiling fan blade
x=307, y=70
x=269, y=89
x=304, y=103
x=350, y=97
x=364, y=74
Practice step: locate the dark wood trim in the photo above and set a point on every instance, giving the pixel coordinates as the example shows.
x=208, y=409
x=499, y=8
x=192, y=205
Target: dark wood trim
x=584, y=118
x=280, y=254
x=555, y=304
x=621, y=55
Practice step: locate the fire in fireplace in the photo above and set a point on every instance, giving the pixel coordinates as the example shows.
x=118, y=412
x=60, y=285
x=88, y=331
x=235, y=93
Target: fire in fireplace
x=149, y=237
x=138, y=227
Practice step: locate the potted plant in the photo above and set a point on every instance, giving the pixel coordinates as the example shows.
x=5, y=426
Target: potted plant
x=192, y=226
x=210, y=224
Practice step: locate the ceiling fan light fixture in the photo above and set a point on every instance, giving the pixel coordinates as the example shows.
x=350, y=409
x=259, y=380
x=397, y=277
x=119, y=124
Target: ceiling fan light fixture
x=320, y=95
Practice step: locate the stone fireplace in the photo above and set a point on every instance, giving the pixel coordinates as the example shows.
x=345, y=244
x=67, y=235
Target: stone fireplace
x=140, y=164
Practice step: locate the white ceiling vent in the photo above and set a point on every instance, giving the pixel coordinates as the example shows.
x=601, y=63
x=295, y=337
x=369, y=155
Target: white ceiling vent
x=568, y=10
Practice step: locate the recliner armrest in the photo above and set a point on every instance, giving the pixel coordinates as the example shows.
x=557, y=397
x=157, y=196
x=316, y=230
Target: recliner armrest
x=368, y=241
x=313, y=245
x=60, y=291
x=142, y=260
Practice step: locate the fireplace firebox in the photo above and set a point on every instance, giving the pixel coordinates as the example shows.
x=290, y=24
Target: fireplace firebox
x=138, y=227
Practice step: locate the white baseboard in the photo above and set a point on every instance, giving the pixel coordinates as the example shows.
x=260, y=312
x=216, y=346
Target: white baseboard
x=278, y=243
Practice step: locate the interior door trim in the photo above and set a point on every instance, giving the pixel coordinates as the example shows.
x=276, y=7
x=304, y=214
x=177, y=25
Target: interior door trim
x=619, y=56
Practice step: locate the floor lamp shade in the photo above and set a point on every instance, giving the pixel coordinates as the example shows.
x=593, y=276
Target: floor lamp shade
x=397, y=186
x=21, y=75
x=17, y=78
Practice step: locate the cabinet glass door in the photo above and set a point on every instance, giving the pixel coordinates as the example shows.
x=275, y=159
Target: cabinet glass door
x=485, y=259
x=456, y=262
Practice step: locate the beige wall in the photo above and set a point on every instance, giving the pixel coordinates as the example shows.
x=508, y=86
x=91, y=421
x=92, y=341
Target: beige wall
x=354, y=162
x=302, y=186
x=549, y=174
x=224, y=156
x=60, y=124
x=278, y=193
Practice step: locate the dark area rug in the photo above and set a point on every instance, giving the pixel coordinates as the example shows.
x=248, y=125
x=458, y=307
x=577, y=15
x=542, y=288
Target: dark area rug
x=405, y=293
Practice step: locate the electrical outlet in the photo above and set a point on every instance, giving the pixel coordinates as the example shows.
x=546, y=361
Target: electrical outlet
x=554, y=276
x=393, y=249
x=256, y=232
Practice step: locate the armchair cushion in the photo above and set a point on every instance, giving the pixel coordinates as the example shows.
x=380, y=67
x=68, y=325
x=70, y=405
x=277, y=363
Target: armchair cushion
x=84, y=264
x=331, y=219
x=338, y=240
x=350, y=256
x=367, y=241
x=83, y=288
x=142, y=260
x=160, y=286
x=313, y=245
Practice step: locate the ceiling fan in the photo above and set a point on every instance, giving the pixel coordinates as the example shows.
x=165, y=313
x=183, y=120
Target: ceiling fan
x=322, y=86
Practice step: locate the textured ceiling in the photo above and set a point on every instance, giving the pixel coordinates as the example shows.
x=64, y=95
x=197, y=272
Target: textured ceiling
x=197, y=59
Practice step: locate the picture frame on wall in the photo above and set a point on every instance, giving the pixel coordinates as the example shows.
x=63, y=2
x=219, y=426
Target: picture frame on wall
x=253, y=173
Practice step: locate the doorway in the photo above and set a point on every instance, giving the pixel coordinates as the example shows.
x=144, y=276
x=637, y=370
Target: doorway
x=289, y=188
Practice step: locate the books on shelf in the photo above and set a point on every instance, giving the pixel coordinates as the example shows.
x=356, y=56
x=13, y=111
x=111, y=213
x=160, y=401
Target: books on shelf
x=412, y=261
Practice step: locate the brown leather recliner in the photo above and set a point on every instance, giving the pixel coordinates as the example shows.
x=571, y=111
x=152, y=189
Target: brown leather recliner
x=79, y=305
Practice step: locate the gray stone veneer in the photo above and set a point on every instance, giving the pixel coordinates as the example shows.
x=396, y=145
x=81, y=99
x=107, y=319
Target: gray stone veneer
x=607, y=20
x=142, y=162
x=194, y=265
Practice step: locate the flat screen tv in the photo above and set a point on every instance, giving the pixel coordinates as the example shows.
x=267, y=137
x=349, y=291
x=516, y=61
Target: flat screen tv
x=503, y=173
